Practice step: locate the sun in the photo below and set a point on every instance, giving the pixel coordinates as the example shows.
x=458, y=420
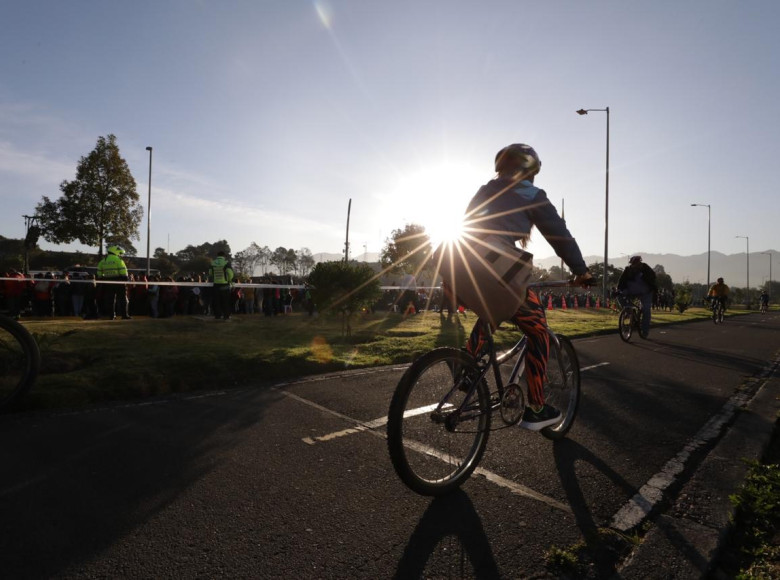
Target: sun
x=436, y=198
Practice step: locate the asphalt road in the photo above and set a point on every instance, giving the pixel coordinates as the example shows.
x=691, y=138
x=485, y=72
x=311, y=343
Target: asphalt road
x=294, y=481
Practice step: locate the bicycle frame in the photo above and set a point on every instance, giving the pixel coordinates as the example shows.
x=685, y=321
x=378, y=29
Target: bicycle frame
x=468, y=409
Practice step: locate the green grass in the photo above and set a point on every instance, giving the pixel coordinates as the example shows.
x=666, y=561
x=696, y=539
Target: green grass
x=753, y=548
x=90, y=362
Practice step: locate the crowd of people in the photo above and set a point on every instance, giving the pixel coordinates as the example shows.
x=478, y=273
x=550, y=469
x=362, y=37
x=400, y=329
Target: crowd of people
x=55, y=294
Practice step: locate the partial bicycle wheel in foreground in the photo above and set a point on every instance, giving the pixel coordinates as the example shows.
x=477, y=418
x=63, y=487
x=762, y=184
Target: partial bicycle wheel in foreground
x=20, y=362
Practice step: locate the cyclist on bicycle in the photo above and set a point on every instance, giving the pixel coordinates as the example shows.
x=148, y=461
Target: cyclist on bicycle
x=638, y=279
x=719, y=292
x=764, y=300
x=508, y=207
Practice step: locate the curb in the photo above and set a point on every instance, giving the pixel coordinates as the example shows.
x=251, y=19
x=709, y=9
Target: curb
x=686, y=540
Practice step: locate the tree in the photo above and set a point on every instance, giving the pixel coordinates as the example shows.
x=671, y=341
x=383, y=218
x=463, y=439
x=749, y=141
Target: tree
x=305, y=261
x=283, y=259
x=597, y=271
x=246, y=260
x=407, y=250
x=264, y=258
x=663, y=281
x=344, y=288
x=101, y=204
x=556, y=273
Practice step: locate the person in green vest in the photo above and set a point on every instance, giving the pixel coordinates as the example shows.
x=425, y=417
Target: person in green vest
x=221, y=276
x=113, y=269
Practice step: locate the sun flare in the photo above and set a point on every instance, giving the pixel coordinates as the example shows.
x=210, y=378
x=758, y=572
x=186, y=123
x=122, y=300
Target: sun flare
x=436, y=198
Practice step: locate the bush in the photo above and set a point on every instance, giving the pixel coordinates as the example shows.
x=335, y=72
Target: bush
x=341, y=287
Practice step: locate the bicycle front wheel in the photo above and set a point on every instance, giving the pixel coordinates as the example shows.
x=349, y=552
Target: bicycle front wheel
x=434, y=439
x=20, y=361
x=625, y=324
x=562, y=390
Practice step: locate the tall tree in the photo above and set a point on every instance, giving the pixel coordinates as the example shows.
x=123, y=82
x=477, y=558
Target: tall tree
x=305, y=261
x=407, y=250
x=279, y=259
x=99, y=206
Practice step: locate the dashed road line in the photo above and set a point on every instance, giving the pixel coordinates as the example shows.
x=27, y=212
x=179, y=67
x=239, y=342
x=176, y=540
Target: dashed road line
x=372, y=426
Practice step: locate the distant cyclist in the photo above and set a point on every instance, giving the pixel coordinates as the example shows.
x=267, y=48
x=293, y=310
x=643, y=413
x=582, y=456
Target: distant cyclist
x=502, y=212
x=638, y=280
x=764, y=300
x=719, y=292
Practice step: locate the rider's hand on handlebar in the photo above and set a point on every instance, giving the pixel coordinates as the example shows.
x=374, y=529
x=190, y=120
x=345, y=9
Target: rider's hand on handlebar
x=583, y=280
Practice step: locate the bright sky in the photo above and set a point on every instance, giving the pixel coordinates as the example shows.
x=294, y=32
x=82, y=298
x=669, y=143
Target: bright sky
x=266, y=117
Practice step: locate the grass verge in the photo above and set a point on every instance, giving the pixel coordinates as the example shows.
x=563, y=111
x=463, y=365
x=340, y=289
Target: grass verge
x=97, y=361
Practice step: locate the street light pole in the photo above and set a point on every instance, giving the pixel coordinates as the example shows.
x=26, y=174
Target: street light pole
x=769, y=288
x=149, y=216
x=606, y=204
x=747, y=241
x=709, y=229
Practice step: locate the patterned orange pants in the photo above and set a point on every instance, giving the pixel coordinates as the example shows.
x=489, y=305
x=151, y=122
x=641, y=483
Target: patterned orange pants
x=531, y=319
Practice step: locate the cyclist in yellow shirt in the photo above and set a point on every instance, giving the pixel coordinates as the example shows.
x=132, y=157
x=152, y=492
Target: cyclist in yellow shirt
x=720, y=292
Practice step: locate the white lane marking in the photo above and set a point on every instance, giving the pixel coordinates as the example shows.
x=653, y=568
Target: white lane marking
x=633, y=513
x=376, y=423
x=371, y=426
x=597, y=365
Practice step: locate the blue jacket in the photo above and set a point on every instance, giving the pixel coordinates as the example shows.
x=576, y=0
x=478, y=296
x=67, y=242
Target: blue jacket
x=505, y=208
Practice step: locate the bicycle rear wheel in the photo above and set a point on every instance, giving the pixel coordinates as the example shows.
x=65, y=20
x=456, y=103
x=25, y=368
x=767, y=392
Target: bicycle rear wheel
x=20, y=361
x=625, y=325
x=432, y=446
x=562, y=390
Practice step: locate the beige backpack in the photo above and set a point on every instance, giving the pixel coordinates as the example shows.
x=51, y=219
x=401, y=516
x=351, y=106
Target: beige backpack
x=488, y=275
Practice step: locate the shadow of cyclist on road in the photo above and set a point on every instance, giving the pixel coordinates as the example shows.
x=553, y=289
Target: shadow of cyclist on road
x=449, y=536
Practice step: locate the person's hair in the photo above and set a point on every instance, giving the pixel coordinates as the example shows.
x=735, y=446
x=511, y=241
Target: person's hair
x=635, y=260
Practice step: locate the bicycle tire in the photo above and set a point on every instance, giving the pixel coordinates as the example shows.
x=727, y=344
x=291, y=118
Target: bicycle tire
x=20, y=362
x=625, y=323
x=562, y=389
x=430, y=453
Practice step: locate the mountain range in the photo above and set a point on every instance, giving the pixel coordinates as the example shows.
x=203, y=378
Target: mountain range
x=733, y=268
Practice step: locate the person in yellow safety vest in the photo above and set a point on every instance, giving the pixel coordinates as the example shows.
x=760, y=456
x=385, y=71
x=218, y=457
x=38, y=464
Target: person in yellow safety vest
x=112, y=268
x=221, y=276
x=720, y=292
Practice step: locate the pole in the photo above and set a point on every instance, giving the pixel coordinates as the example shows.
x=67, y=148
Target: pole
x=346, y=243
x=149, y=217
x=606, y=216
x=747, y=295
x=769, y=286
x=606, y=205
x=709, y=231
x=563, y=216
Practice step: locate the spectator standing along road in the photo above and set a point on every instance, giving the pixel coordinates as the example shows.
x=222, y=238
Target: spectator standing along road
x=221, y=275
x=113, y=268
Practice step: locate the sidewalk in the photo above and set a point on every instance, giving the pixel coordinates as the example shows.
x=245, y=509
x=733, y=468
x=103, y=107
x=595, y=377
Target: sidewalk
x=685, y=541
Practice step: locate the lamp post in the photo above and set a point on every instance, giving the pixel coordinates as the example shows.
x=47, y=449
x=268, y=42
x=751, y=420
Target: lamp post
x=606, y=204
x=709, y=222
x=769, y=287
x=747, y=241
x=149, y=216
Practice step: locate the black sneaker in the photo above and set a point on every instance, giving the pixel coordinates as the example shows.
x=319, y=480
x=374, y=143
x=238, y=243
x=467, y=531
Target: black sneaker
x=538, y=420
